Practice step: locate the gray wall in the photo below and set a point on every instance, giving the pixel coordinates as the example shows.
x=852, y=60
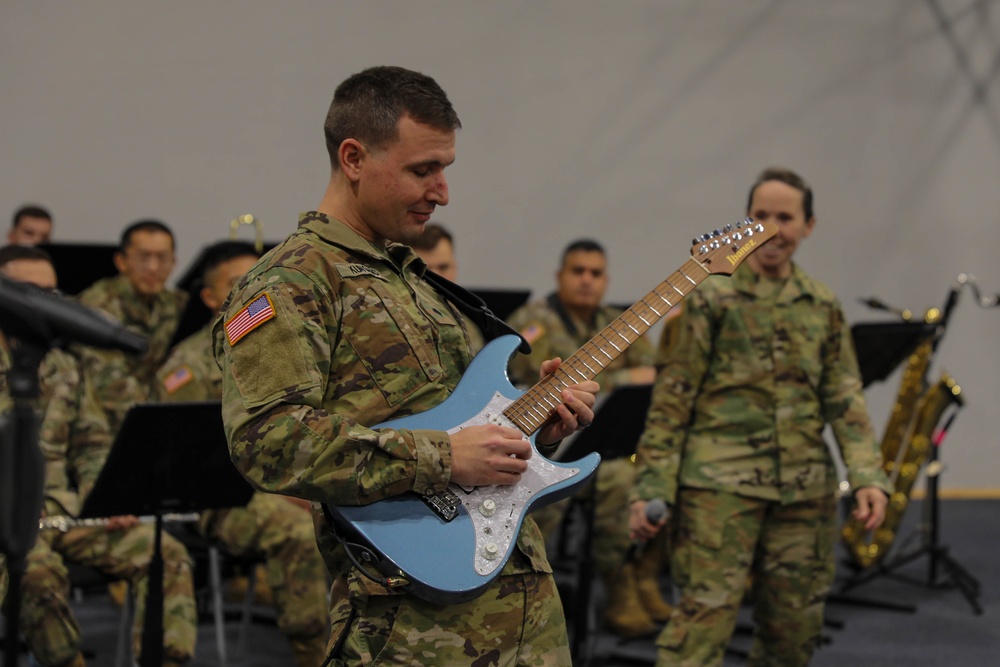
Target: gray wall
x=640, y=124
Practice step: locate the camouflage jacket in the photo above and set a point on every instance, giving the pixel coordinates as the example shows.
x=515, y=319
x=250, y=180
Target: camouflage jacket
x=348, y=335
x=124, y=379
x=73, y=434
x=550, y=335
x=745, y=386
x=190, y=373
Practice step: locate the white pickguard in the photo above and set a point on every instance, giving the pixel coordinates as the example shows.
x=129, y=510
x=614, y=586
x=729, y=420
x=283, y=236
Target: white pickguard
x=496, y=510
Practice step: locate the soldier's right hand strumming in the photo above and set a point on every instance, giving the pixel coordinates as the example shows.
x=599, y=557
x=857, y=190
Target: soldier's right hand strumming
x=483, y=455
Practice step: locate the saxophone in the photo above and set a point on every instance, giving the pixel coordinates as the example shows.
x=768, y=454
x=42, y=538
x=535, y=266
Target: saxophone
x=903, y=468
x=909, y=435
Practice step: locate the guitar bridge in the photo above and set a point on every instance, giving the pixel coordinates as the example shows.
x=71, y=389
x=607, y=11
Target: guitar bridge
x=445, y=504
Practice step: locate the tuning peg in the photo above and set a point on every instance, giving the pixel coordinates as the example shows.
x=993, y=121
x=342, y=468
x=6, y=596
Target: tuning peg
x=728, y=228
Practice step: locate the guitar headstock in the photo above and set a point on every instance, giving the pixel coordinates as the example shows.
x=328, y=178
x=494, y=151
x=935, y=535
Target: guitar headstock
x=722, y=250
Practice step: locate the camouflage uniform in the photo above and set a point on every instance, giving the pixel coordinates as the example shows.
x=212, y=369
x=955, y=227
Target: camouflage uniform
x=553, y=332
x=751, y=372
x=268, y=525
x=122, y=379
x=357, y=337
x=75, y=441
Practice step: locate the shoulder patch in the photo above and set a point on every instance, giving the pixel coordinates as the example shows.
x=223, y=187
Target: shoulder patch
x=254, y=314
x=533, y=332
x=177, y=379
x=355, y=270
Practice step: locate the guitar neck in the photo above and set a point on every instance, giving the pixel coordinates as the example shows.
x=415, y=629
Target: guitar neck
x=536, y=405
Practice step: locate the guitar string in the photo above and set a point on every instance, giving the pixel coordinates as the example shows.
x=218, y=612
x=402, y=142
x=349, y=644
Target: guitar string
x=520, y=411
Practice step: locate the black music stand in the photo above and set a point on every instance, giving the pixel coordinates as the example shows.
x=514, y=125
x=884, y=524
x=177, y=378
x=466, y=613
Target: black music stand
x=882, y=346
x=618, y=423
x=956, y=576
x=80, y=265
x=167, y=457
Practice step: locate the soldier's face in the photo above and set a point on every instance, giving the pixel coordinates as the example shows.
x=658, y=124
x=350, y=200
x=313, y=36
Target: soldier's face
x=30, y=231
x=441, y=259
x=399, y=187
x=35, y=271
x=222, y=279
x=147, y=261
x=780, y=203
x=583, y=279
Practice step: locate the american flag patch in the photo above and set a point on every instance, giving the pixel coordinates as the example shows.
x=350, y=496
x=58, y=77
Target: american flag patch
x=177, y=379
x=252, y=316
x=533, y=333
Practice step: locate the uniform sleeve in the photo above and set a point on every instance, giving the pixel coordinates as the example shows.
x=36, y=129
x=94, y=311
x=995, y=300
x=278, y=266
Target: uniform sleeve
x=290, y=432
x=845, y=410
x=177, y=381
x=682, y=362
x=90, y=439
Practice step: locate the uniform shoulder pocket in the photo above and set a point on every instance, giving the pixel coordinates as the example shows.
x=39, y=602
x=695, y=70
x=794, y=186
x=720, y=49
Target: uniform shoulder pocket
x=268, y=362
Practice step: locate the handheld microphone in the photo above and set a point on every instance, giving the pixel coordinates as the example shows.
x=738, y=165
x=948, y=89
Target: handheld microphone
x=656, y=511
x=32, y=314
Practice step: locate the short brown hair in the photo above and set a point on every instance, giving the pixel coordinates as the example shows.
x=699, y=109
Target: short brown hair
x=29, y=211
x=788, y=177
x=367, y=106
x=433, y=233
x=14, y=253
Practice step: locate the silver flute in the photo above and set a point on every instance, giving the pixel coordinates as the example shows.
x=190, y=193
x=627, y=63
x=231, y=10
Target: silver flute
x=63, y=523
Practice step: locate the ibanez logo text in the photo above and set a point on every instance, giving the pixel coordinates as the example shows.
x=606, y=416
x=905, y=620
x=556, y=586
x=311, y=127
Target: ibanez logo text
x=735, y=258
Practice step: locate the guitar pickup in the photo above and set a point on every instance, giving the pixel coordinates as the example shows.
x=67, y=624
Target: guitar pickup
x=445, y=504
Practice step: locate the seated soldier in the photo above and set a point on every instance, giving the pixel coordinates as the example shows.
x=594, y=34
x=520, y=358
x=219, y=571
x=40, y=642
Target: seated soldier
x=74, y=438
x=139, y=299
x=274, y=526
x=558, y=327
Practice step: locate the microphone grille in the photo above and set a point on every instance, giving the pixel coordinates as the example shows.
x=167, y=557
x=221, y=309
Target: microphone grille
x=656, y=510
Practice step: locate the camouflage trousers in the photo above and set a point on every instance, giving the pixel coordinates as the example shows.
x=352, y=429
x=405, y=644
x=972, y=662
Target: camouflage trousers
x=283, y=533
x=48, y=624
x=611, y=486
x=517, y=622
x=721, y=539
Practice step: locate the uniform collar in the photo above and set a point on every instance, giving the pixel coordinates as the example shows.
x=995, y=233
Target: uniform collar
x=798, y=285
x=134, y=307
x=338, y=233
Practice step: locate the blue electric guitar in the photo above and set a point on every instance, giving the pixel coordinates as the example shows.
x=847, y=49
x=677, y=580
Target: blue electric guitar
x=448, y=547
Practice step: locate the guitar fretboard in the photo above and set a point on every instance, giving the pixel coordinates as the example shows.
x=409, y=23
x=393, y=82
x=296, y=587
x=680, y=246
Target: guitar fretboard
x=536, y=405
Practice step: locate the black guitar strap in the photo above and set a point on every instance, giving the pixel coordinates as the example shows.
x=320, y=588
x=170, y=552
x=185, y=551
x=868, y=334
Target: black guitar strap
x=475, y=309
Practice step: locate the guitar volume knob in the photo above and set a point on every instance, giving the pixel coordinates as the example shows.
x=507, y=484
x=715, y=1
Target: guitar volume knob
x=491, y=550
x=488, y=507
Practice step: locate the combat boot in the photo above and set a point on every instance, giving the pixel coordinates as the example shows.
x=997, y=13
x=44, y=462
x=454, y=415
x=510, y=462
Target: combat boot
x=625, y=615
x=647, y=579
